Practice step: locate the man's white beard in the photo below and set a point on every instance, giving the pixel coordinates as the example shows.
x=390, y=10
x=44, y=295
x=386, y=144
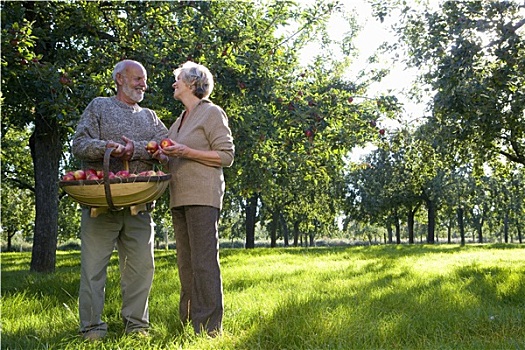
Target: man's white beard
x=134, y=94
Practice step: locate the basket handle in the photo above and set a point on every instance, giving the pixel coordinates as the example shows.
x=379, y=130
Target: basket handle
x=107, y=187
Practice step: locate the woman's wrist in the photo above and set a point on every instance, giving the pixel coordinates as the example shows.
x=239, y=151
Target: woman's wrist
x=164, y=159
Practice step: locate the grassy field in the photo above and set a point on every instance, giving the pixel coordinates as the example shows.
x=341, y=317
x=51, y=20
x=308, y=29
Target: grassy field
x=378, y=297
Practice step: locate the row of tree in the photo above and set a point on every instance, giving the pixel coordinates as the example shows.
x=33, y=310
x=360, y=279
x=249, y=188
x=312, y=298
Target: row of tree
x=294, y=126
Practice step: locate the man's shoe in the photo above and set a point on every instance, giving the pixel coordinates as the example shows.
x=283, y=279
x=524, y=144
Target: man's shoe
x=141, y=333
x=94, y=335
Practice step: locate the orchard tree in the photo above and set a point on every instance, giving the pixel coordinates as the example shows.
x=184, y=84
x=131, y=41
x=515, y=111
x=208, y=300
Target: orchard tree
x=376, y=192
x=472, y=54
x=507, y=200
x=17, y=186
x=57, y=56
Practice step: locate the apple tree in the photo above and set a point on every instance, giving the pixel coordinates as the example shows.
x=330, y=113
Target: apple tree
x=57, y=56
x=472, y=55
x=17, y=187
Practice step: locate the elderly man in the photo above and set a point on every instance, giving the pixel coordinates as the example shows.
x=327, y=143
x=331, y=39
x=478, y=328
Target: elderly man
x=117, y=122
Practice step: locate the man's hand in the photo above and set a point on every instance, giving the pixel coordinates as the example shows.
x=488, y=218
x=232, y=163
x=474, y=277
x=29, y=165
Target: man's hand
x=128, y=149
x=120, y=151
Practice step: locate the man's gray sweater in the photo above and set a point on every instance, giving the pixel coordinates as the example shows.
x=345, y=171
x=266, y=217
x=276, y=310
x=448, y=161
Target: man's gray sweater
x=105, y=119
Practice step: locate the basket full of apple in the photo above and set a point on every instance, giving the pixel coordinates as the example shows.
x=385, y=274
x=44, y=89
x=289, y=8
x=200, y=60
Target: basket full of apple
x=103, y=188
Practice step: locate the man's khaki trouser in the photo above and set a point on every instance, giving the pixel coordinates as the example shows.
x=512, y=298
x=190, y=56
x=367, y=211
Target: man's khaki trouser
x=133, y=237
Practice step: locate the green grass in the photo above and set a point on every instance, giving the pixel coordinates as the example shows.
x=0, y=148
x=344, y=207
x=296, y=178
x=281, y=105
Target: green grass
x=379, y=297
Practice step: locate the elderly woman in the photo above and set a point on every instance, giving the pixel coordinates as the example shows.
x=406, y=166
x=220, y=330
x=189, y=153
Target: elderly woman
x=202, y=146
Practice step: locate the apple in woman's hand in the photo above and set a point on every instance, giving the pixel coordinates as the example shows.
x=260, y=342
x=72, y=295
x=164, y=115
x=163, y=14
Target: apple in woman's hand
x=166, y=143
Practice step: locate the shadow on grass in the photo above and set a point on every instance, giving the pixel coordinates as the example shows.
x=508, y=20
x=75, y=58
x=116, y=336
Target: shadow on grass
x=423, y=315
x=469, y=307
x=394, y=310
x=16, y=276
x=57, y=293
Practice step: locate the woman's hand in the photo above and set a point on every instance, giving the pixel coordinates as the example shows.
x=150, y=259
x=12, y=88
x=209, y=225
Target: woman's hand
x=161, y=157
x=176, y=150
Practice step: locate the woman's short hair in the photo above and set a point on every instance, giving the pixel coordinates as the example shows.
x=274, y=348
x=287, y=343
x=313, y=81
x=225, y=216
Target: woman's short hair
x=198, y=77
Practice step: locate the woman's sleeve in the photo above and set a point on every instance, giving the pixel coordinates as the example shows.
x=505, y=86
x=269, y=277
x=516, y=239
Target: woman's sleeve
x=220, y=136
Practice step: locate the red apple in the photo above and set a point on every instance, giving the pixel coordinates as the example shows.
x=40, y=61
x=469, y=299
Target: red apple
x=111, y=175
x=92, y=177
x=382, y=132
x=122, y=173
x=350, y=99
x=90, y=172
x=148, y=173
x=100, y=174
x=79, y=174
x=160, y=173
x=152, y=147
x=68, y=177
x=64, y=80
x=166, y=143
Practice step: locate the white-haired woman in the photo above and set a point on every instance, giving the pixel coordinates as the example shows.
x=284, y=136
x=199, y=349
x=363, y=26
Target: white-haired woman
x=202, y=146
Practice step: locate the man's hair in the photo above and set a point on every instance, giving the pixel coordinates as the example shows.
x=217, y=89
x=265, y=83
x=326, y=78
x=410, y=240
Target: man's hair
x=119, y=67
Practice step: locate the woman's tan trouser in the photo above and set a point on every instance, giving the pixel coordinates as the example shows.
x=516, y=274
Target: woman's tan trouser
x=197, y=241
x=133, y=237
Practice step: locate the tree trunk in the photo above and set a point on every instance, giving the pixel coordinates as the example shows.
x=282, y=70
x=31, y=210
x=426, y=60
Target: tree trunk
x=479, y=230
x=398, y=232
x=46, y=149
x=461, y=225
x=431, y=216
x=390, y=233
x=296, y=233
x=10, y=241
x=251, y=212
x=506, y=227
x=273, y=228
x=520, y=239
x=449, y=231
x=410, y=225
x=285, y=230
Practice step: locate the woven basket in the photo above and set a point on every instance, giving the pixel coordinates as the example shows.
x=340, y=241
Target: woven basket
x=116, y=193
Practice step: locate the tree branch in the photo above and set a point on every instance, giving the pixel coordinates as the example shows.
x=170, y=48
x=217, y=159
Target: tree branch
x=21, y=184
x=512, y=28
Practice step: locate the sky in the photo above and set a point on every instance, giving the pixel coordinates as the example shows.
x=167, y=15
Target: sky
x=371, y=36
